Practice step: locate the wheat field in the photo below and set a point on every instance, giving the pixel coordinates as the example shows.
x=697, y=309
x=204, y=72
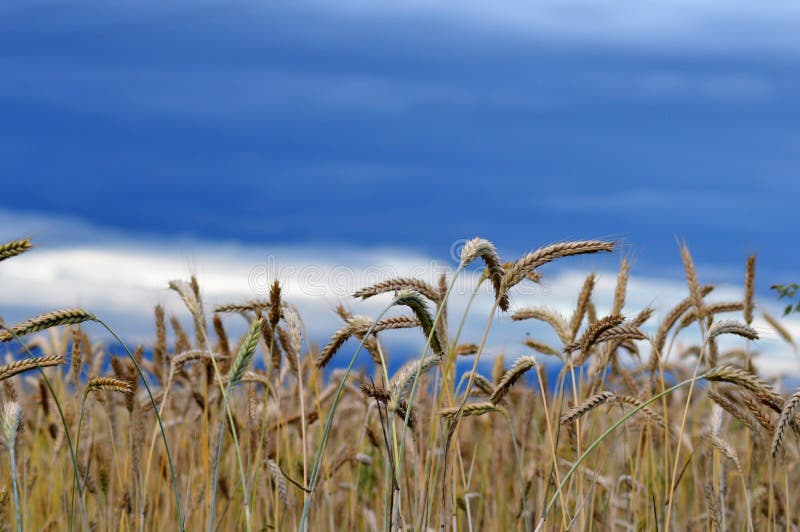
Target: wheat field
x=204, y=431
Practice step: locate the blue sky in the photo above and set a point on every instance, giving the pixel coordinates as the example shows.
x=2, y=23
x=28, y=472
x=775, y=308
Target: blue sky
x=406, y=126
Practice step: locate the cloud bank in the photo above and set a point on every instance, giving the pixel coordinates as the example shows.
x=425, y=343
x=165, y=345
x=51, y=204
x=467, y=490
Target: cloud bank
x=121, y=277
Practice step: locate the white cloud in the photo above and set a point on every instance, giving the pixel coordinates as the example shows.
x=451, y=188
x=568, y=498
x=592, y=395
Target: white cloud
x=121, y=278
x=704, y=24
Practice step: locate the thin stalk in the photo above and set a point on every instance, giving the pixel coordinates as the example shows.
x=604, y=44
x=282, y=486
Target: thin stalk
x=413, y=391
x=181, y=524
x=63, y=421
x=226, y=411
x=608, y=431
x=77, y=447
x=164, y=400
x=329, y=422
x=15, y=487
x=217, y=460
x=428, y=503
x=255, y=480
x=519, y=468
x=674, y=476
x=392, y=480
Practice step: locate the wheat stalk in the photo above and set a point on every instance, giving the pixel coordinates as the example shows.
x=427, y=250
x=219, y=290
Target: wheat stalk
x=238, y=367
x=10, y=421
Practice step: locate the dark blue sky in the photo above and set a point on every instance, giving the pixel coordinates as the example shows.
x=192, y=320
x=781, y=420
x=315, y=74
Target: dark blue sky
x=267, y=122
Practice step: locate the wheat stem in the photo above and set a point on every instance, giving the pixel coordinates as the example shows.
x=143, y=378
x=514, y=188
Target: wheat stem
x=181, y=524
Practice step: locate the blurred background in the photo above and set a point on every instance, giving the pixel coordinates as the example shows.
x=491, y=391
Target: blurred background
x=146, y=141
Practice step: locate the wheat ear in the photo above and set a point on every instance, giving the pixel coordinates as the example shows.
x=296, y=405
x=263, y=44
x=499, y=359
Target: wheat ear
x=238, y=367
x=517, y=370
x=45, y=321
x=469, y=409
x=397, y=284
x=417, y=305
x=749, y=288
x=14, y=248
x=621, y=288
x=549, y=316
x=18, y=366
x=543, y=348
x=672, y=317
x=780, y=329
x=691, y=279
x=784, y=420
x=541, y=256
x=731, y=327
x=588, y=405
x=584, y=298
x=480, y=247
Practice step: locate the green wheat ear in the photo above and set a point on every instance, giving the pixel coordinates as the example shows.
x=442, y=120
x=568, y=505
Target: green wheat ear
x=416, y=303
x=245, y=354
x=237, y=371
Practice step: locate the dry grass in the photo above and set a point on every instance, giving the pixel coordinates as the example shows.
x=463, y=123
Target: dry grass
x=648, y=433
